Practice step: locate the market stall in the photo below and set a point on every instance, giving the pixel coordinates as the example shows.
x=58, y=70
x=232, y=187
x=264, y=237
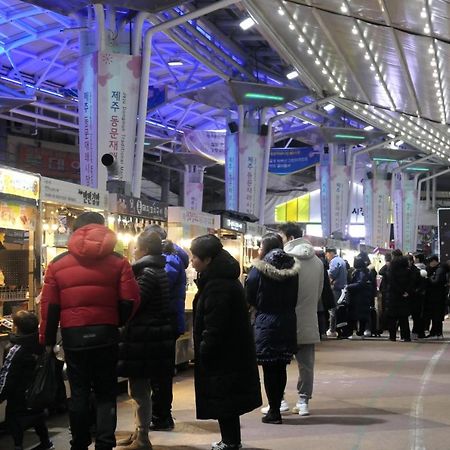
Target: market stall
x=19, y=201
x=61, y=204
x=184, y=225
x=129, y=216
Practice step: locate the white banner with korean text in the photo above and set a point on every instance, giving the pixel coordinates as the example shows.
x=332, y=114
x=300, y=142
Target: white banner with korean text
x=251, y=149
x=109, y=92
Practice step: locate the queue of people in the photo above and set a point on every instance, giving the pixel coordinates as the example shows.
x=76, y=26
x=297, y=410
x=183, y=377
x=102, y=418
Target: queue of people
x=121, y=319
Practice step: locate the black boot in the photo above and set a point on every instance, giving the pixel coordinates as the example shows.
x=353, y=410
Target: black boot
x=273, y=416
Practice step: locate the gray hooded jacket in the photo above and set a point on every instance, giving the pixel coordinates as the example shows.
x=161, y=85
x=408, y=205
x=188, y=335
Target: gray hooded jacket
x=310, y=285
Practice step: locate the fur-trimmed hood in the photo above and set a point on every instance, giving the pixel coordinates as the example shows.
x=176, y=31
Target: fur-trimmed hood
x=278, y=265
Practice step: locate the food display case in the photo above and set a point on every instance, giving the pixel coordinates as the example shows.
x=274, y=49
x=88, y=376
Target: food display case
x=184, y=225
x=61, y=204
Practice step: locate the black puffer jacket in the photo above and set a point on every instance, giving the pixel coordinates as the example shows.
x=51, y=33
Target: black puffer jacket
x=272, y=288
x=401, y=288
x=226, y=374
x=17, y=375
x=360, y=292
x=147, y=346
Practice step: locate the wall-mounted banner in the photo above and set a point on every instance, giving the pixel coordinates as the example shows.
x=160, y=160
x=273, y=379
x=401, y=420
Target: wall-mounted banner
x=108, y=97
x=209, y=143
x=284, y=161
x=14, y=182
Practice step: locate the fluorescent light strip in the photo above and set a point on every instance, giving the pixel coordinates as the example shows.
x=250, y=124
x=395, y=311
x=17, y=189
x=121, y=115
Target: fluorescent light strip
x=349, y=136
x=372, y=61
x=311, y=49
x=255, y=95
x=247, y=23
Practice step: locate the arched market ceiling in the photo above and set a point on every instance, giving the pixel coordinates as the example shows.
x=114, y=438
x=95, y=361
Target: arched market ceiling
x=386, y=62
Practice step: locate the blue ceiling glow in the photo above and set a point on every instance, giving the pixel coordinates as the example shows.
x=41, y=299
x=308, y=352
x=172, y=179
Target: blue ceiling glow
x=352, y=122
x=207, y=35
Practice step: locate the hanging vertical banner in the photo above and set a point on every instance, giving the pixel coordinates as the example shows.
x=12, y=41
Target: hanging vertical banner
x=376, y=212
x=380, y=214
x=109, y=91
x=404, y=215
x=339, y=188
x=87, y=112
x=251, y=147
x=325, y=200
x=193, y=187
x=368, y=211
x=232, y=171
x=409, y=215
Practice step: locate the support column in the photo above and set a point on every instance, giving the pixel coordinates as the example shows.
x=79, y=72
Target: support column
x=165, y=184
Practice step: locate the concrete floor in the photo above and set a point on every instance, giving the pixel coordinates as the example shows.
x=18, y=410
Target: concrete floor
x=369, y=395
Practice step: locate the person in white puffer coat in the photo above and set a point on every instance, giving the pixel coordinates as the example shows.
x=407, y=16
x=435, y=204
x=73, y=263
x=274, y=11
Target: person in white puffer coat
x=310, y=286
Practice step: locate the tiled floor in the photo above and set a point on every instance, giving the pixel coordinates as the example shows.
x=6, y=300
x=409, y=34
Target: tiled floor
x=371, y=394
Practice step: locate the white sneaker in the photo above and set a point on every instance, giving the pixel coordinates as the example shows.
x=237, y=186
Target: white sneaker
x=284, y=407
x=331, y=333
x=355, y=337
x=301, y=408
x=367, y=333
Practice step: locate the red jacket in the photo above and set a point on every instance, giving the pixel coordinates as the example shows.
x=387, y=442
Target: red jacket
x=86, y=289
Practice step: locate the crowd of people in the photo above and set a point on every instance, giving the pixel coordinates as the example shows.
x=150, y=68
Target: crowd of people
x=368, y=303
x=122, y=319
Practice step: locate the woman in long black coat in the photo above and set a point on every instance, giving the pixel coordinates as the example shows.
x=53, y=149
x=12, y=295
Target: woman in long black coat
x=401, y=290
x=146, y=350
x=360, y=290
x=272, y=288
x=226, y=374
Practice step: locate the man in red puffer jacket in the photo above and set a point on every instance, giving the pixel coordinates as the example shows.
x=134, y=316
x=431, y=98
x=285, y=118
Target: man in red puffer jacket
x=90, y=291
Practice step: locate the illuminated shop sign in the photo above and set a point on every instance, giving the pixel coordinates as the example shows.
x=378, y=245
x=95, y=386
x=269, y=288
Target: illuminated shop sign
x=234, y=225
x=132, y=206
x=73, y=194
x=19, y=183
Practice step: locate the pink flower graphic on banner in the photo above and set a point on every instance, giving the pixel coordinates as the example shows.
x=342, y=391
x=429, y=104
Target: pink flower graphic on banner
x=107, y=58
x=134, y=65
x=103, y=79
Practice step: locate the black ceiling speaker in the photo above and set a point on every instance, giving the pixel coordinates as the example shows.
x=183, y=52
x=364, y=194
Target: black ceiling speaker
x=233, y=126
x=369, y=175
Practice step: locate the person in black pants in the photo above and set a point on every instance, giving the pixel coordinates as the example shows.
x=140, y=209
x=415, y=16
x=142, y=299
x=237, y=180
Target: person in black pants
x=91, y=291
x=15, y=377
x=401, y=291
x=225, y=372
x=272, y=289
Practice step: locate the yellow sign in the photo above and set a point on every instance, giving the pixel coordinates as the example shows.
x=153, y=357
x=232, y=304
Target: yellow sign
x=19, y=183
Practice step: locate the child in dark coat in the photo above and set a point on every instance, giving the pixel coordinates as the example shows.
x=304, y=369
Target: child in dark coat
x=15, y=378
